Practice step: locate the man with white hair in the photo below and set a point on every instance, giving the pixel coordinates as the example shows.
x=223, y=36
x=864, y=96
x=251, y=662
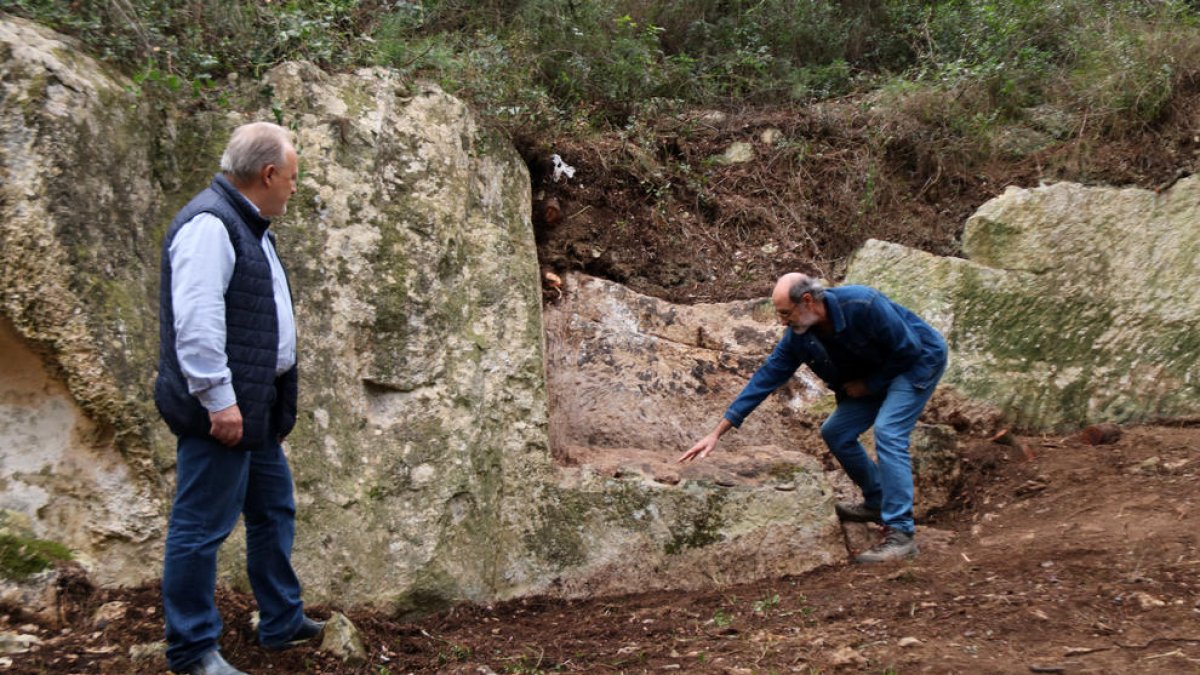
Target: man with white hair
x=226, y=387
x=883, y=363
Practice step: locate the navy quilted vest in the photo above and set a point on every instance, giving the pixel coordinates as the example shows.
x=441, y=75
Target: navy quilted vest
x=267, y=403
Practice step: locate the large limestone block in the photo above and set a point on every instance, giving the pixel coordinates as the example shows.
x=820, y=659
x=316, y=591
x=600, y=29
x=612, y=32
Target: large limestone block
x=76, y=321
x=423, y=414
x=632, y=532
x=1078, y=305
x=414, y=273
x=629, y=371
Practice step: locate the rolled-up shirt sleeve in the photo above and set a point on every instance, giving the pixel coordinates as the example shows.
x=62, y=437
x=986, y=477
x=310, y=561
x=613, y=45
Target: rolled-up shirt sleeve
x=202, y=261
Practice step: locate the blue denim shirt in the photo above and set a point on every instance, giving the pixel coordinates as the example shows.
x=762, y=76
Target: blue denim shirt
x=873, y=339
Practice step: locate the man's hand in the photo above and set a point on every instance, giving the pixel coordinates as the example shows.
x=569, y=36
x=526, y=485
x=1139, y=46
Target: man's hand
x=856, y=389
x=227, y=425
x=700, y=449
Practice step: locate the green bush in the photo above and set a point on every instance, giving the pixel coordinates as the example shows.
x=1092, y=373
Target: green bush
x=1126, y=74
x=545, y=63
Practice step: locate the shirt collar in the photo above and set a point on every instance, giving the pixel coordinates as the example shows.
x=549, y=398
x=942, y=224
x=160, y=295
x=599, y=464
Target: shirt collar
x=834, y=310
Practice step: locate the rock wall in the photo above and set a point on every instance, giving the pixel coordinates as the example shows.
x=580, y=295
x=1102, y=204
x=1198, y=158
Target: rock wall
x=635, y=381
x=77, y=250
x=421, y=457
x=626, y=370
x=1076, y=305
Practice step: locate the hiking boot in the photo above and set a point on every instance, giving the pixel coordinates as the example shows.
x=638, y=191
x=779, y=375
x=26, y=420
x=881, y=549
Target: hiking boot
x=308, y=630
x=211, y=664
x=896, y=545
x=857, y=513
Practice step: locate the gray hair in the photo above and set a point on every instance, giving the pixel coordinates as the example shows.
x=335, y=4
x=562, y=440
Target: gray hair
x=804, y=285
x=252, y=147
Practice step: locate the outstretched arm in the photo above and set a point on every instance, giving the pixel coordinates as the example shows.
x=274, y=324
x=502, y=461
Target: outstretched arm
x=707, y=444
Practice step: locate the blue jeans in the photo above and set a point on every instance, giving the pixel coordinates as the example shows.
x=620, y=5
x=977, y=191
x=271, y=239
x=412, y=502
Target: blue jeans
x=214, y=485
x=888, y=484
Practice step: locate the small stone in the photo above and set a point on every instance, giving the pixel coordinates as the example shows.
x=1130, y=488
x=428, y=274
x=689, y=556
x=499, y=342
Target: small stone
x=148, y=651
x=667, y=477
x=341, y=638
x=770, y=136
x=847, y=657
x=1101, y=434
x=1147, y=601
x=908, y=642
x=17, y=643
x=1148, y=465
x=108, y=613
x=786, y=487
x=737, y=153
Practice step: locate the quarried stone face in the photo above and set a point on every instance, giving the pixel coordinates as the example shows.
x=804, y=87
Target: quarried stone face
x=1076, y=305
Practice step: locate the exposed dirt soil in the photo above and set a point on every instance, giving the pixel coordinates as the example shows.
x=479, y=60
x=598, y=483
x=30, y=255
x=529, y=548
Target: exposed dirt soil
x=655, y=208
x=1084, y=559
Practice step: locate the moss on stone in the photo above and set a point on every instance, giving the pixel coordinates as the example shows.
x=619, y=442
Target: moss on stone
x=357, y=98
x=785, y=471
x=557, y=537
x=421, y=600
x=702, y=528
x=21, y=558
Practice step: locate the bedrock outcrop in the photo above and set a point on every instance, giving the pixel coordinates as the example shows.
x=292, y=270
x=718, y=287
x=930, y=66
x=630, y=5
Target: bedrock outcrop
x=1074, y=305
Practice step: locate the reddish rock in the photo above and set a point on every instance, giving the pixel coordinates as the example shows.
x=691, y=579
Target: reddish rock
x=1101, y=434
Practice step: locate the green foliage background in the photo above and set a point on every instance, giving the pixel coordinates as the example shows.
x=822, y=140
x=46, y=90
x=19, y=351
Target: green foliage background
x=569, y=65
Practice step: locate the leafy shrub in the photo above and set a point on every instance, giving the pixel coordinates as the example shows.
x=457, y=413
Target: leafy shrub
x=539, y=63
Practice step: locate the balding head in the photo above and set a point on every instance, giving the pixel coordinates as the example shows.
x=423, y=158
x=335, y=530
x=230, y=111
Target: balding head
x=798, y=301
x=252, y=147
x=791, y=288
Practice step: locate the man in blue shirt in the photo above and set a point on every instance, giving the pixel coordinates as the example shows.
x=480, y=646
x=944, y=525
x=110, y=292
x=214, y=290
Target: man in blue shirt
x=883, y=363
x=226, y=387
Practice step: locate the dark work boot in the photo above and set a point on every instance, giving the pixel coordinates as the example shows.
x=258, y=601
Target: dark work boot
x=857, y=513
x=896, y=545
x=308, y=630
x=211, y=664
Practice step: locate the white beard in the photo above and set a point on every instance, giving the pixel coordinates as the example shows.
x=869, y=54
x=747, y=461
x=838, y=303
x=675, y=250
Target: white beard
x=800, y=326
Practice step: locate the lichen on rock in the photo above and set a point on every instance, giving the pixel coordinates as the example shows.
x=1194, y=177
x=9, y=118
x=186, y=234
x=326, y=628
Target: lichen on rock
x=1077, y=305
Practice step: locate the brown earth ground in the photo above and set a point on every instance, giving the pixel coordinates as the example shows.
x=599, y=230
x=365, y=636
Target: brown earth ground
x=1083, y=559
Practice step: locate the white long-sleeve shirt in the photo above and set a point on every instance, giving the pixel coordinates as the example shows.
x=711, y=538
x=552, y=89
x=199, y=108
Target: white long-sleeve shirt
x=202, y=260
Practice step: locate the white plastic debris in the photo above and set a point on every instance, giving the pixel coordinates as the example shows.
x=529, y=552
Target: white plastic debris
x=561, y=168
